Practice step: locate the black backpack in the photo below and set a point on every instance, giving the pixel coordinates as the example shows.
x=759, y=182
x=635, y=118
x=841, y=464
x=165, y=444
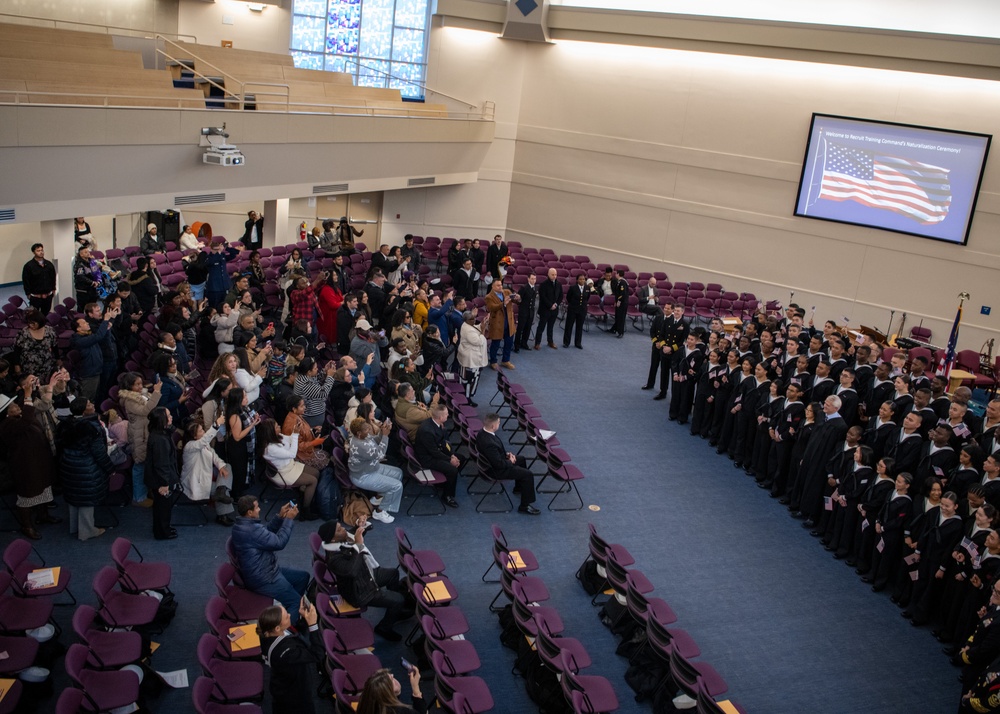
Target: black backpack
x=354, y=580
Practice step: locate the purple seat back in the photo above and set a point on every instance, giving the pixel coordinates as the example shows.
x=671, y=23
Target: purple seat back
x=104, y=582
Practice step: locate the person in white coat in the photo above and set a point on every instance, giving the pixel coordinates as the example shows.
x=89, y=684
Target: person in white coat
x=198, y=466
x=473, y=352
x=280, y=452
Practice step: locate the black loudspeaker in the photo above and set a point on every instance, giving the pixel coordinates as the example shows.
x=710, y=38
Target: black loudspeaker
x=168, y=224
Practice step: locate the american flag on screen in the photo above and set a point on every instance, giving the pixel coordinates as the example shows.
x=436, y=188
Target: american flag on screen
x=914, y=189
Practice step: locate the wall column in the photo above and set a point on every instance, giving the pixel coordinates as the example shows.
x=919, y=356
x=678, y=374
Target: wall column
x=276, y=223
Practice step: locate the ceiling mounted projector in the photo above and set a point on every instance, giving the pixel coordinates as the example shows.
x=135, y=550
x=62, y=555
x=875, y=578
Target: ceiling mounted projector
x=220, y=152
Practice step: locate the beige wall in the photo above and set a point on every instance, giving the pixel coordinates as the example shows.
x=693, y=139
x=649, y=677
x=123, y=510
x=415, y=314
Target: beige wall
x=689, y=162
x=267, y=31
x=157, y=15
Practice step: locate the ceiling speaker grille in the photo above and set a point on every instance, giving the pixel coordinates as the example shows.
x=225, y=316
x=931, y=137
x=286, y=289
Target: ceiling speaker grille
x=428, y=181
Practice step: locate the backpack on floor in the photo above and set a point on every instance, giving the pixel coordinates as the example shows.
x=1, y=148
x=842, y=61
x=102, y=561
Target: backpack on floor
x=644, y=675
x=545, y=691
x=590, y=579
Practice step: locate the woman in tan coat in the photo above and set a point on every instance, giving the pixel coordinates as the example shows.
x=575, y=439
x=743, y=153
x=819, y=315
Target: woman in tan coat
x=137, y=407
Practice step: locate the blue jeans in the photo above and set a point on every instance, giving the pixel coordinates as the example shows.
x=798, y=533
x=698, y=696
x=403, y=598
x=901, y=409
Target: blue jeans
x=138, y=482
x=288, y=589
x=385, y=479
x=508, y=344
x=198, y=292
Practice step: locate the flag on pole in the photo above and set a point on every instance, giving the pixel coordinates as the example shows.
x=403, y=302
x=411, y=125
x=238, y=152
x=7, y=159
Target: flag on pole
x=948, y=360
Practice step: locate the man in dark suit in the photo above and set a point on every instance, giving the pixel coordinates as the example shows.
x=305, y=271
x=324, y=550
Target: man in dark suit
x=346, y=317
x=550, y=294
x=620, y=289
x=433, y=451
x=504, y=465
x=577, y=298
x=381, y=260
x=465, y=280
x=253, y=235
x=525, y=313
x=496, y=251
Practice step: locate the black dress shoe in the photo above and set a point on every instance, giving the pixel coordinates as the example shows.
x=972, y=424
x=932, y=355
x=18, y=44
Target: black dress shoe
x=517, y=350
x=516, y=489
x=784, y=500
x=764, y=485
x=809, y=523
x=861, y=571
x=660, y=396
x=831, y=549
x=224, y=521
x=648, y=386
x=894, y=599
x=950, y=650
x=579, y=347
x=850, y=562
x=838, y=556
x=815, y=534
x=472, y=403
x=737, y=465
x=908, y=615
x=449, y=502
x=867, y=579
x=918, y=623
x=530, y=510
x=798, y=515
x=169, y=536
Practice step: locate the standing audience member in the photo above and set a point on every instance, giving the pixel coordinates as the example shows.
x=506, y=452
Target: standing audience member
x=30, y=464
x=38, y=278
x=550, y=294
x=241, y=440
x=36, y=346
x=84, y=467
x=138, y=404
x=500, y=304
x=577, y=298
x=526, y=313
x=253, y=236
x=472, y=353
x=82, y=233
x=497, y=250
x=161, y=473
x=200, y=461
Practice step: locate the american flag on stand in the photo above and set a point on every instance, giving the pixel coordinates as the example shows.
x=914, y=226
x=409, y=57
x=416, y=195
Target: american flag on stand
x=948, y=360
x=914, y=189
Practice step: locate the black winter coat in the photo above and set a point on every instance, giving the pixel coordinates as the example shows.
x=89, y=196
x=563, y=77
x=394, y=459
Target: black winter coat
x=84, y=466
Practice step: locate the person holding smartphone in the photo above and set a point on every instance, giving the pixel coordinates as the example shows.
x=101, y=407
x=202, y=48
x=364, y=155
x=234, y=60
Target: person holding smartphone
x=294, y=659
x=382, y=690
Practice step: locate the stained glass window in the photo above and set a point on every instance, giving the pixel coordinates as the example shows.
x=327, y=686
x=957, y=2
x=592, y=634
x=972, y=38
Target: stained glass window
x=383, y=43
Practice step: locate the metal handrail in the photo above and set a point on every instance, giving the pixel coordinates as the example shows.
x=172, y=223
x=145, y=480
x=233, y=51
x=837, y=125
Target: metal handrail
x=358, y=63
x=192, y=56
x=55, y=25
x=411, y=111
x=108, y=98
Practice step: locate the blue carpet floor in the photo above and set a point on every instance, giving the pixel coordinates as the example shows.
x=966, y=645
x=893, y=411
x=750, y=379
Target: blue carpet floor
x=789, y=628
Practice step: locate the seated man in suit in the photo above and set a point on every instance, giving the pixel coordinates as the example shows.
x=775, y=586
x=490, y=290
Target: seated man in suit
x=433, y=451
x=505, y=465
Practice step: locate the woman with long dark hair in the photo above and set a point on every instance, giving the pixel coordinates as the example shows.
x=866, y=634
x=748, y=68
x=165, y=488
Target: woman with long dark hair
x=162, y=474
x=294, y=659
x=382, y=690
x=280, y=452
x=241, y=441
